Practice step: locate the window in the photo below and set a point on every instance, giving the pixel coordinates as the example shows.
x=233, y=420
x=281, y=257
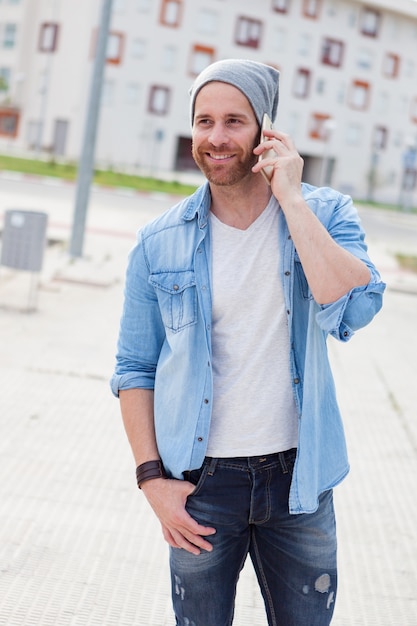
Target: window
x=341, y=92
x=302, y=83
x=132, y=93
x=410, y=68
x=169, y=58
x=311, y=8
x=159, y=98
x=248, y=32
x=318, y=126
x=320, y=86
x=380, y=137
x=360, y=94
x=391, y=65
x=354, y=133
x=4, y=79
x=365, y=59
x=280, y=40
x=281, y=6
x=9, y=36
x=171, y=13
x=383, y=103
x=201, y=57
x=107, y=93
x=332, y=52
x=139, y=48
x=48, y=37
x=207, y=22
x=9, y=122
x=370, y=22
x=115, y=46
x=305, y=44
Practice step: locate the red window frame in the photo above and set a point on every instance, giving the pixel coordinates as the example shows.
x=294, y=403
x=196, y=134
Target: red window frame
x=13, y=115
x=43, y=37
x=281, y=6
x=317, y=126
x=327, y=52
x=249, y=23
x=312, y=8
x=366, y=87
x=302, y=74
x=164, y=17
x=196, y=49
x=367, y=13
x=391, y=65
x=152, y=97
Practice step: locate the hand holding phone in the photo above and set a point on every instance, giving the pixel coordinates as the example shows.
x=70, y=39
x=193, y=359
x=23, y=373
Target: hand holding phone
x=268, y=170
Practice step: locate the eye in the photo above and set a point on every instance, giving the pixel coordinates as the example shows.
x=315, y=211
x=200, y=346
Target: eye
x=203, y=121
x=233, y=121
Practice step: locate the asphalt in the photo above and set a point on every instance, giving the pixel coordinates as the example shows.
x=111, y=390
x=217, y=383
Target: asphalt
x=78, y=542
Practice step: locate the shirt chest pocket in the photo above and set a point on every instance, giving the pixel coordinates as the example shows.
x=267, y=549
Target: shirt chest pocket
x=177, y=297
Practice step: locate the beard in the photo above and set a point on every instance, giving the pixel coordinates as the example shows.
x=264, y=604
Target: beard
x=224, y=174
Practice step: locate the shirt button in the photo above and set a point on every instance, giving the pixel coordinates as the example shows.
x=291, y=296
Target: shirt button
x=199, y=438
x=206, y=401
x=296, y=381
x=175, y=287
x=345, y=334
x=287, y=273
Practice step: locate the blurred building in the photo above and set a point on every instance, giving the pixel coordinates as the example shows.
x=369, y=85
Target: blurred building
x=348, y=81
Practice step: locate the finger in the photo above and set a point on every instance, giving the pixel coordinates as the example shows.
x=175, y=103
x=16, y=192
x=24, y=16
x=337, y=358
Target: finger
x=187, y=541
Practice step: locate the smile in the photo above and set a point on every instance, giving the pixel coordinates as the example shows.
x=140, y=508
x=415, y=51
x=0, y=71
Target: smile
x=220, y=157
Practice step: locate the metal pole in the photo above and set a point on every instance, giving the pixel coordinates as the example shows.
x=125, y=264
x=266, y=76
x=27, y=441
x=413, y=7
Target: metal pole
x=86, y=163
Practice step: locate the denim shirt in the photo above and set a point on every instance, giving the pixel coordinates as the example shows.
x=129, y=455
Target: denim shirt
x=165, y=337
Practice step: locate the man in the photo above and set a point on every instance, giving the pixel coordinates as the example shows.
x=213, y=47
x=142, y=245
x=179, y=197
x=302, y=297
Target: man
x=222, y=371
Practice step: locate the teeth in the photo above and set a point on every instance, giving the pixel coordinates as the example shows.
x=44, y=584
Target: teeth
x=220, y=157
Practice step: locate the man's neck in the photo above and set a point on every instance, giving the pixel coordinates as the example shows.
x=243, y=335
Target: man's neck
x=240, y=205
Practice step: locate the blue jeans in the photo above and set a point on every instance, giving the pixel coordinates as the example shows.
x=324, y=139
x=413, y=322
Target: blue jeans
x=294, y=556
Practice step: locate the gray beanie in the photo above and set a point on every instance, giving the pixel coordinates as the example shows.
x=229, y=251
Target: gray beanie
x=257, y=81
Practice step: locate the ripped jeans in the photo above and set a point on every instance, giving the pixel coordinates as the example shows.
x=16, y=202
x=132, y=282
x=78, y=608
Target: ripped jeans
x=294, y=556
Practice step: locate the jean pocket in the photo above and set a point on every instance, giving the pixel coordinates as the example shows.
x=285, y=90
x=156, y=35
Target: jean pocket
x=197, y=478
x=177, y=298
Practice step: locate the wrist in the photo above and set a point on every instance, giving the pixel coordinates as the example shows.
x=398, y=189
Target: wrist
x=149, y=471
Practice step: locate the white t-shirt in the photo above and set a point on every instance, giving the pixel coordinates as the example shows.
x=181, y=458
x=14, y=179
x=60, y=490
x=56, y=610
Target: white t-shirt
x=253, y=406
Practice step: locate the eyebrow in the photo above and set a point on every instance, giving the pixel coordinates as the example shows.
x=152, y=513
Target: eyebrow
x=242, y=116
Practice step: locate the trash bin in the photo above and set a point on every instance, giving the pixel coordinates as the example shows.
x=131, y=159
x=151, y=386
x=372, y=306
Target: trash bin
x=24, y=240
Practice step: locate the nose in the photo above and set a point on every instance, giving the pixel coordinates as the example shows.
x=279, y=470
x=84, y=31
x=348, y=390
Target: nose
x=218, y=135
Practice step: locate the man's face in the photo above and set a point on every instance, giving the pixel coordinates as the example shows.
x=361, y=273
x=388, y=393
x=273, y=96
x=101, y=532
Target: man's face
x=225, y=132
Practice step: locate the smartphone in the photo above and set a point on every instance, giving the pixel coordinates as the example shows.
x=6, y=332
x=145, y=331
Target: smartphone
x=266, y=171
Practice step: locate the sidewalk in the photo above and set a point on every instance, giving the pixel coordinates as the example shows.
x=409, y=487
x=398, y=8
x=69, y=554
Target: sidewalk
x=78, y=543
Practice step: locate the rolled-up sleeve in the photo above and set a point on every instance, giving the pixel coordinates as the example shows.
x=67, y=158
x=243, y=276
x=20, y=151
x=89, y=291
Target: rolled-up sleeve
x=141, y=332
x=357, y=308
x=351, y=312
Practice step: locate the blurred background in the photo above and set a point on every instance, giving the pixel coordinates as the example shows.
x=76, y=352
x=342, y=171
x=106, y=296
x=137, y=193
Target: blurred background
x=348, y=82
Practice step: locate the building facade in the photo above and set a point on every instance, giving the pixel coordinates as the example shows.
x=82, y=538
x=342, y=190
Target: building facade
x=348, y=92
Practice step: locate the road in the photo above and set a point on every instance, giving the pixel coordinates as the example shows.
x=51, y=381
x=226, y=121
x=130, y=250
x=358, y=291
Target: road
x=397, y=230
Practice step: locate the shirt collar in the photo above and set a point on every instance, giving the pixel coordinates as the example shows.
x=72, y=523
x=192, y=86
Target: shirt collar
x=199, y=205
